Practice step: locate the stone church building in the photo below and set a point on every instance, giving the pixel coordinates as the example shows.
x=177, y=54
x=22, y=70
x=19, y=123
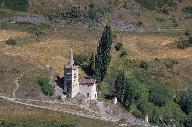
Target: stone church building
x=73, y=85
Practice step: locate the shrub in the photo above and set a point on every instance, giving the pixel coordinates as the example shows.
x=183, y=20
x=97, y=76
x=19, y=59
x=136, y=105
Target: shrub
x=47, y=88
x=188, y=121
x=11, y=42
x=186, y=101
x=118, y=46
x=73, y=12
x=135, y=111
x=158, y=95
x=161, y=19
x=123, y=53
x=81, y=59
x=188, y=9
x=139, y=23
x=183, y=44
x=173, y=111
x=18, y=5
x=144, y=65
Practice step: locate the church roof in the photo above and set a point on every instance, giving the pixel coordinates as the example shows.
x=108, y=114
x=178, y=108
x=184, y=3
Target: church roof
x=71, y=63
x=87, y=82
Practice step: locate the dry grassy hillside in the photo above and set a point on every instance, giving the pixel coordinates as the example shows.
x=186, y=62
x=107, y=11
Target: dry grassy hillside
x=122, y=12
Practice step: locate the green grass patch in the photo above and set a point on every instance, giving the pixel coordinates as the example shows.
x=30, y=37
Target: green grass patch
x=47, y=88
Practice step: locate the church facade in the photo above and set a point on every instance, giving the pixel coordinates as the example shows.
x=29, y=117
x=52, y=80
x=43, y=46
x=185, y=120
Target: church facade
x=73, y=85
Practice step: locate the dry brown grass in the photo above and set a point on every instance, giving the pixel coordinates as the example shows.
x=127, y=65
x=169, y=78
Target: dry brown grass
x=52, y=49
x=7, y=34
x=154, y=46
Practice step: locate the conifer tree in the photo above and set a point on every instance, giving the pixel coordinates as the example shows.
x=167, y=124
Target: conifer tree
x=120, y=85
x=92, y=64
x=103, y=56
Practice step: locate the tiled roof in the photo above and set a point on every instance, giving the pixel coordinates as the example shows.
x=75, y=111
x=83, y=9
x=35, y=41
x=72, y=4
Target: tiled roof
x=87, y=82
x=69, y=66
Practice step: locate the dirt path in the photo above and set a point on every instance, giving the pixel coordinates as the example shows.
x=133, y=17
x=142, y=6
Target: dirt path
x=59, y=109
x=75, y=110
x=16, y=80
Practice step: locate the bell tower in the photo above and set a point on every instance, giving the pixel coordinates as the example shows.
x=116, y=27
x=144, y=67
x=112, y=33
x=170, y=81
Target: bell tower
x=71, y=78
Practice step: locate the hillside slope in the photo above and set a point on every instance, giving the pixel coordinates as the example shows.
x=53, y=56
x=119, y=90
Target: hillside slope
x=122, y=14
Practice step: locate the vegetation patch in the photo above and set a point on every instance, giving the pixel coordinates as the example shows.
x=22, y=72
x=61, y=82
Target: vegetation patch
x=161, y=19
x=81, y=59
x=159, y=95
x=17, y=5
x=11, y=42
x=186, y=101
x=47, y=88
x=118, y=46
x=159, y=5
x=92, y=14
x=183, y=44
x=188, y=9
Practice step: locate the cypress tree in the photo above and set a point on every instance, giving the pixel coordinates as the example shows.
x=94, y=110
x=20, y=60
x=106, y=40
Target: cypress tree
x=103, y=56
x=120, y=86
x=92, y=64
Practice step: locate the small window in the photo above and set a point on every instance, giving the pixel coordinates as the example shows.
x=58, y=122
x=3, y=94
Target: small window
x=73, y=86
x=87, y=94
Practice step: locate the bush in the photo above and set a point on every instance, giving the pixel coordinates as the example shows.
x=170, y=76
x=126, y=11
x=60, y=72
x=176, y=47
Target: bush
x=73, y=12
x=144, y=65
x=183, y=44
x=135, y=111
x=123, y=53
x=188, y=9
x=47, y=88
x=11, y=42
x=158, y=95
x=186, y=101
x=188, y=121
x=18, y=5
x=173, y=111
x=118, y=46
x=81, y=59
x=161, y=19
x=139, y=23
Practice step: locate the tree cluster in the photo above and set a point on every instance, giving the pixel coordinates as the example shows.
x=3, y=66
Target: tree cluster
x=147, y=97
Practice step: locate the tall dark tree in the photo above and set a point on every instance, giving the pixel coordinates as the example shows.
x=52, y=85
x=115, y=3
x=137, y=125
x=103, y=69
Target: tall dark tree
x=92, y=64
x=103, y=56
x=120, y=86
x=186, y=101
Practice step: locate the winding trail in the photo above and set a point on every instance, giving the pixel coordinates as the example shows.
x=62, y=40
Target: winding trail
x=16, y=80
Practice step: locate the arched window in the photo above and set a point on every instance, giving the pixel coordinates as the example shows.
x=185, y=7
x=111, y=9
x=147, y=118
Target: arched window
x=87, y=94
